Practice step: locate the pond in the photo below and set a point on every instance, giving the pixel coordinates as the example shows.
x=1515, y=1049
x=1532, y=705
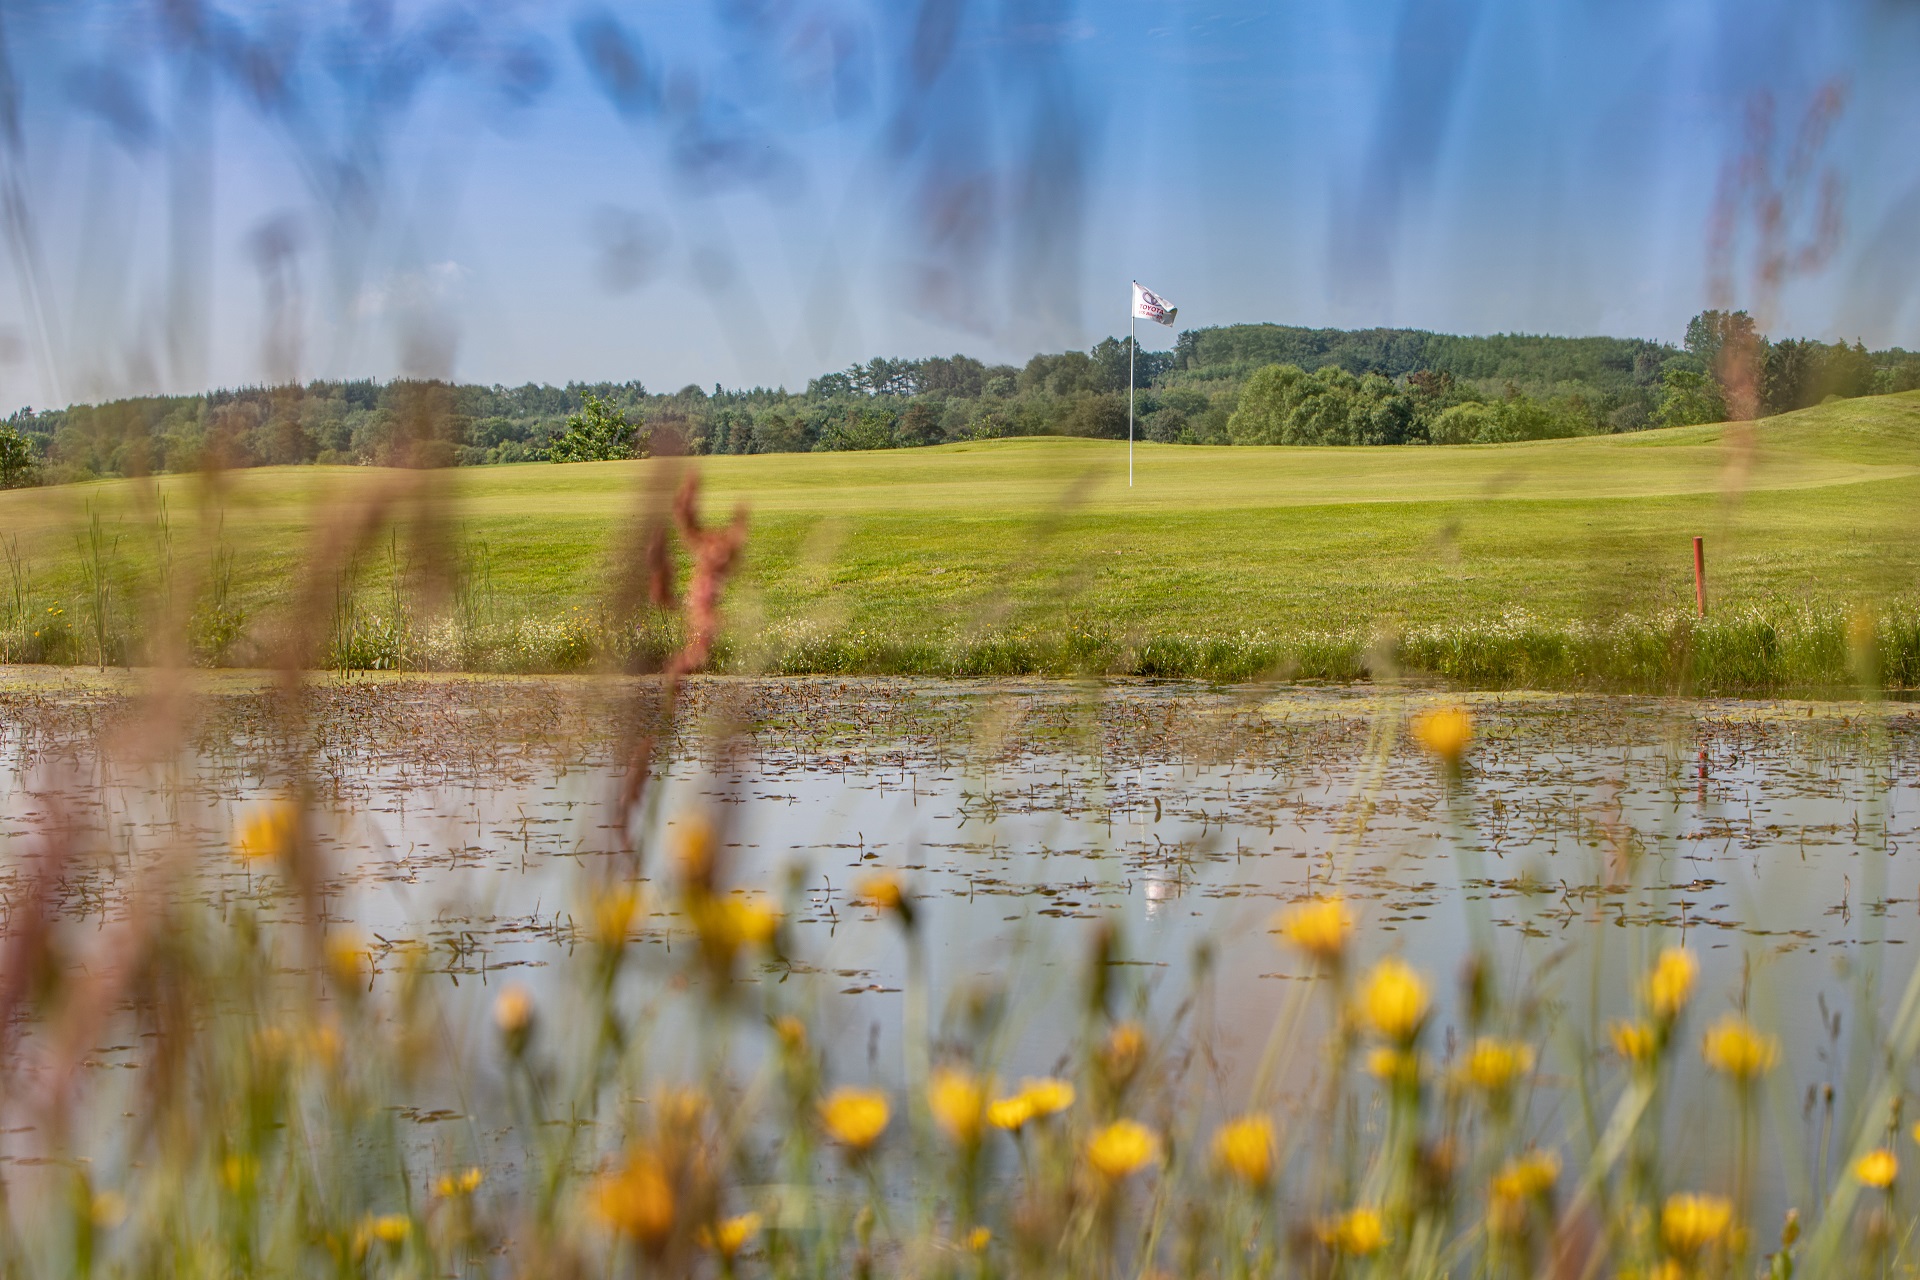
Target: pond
x=462, y=828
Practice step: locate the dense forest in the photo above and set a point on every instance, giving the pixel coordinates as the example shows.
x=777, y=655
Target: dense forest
x=1239, y=384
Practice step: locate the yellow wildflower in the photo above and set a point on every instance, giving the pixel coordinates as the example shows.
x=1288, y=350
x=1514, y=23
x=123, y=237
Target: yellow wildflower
x=1320, y=928
x=693, y=847
x=1493, y=1065
x=1689, y=1222
x=1670, y=984
x=855, y=1117
x=1394, y=1000
x=979, y=1238
x=347, y=957
x=1734, y=1048
x=611, y=914
x=1126, y=1045
x=755, y=919
x=959, y=1103
x=323, y=1043
x=730, y=1235
x=387, y=1228
x=636, y=1200
x=1635, y=1041
x=239, y=1171
x=883, y=889
x=1520, y=1182
x=1047, y=1096
x=1010, y=1113
x=1877, y=1168
x=1445, y=732
x=267, y=832
x=513, y=1015
x=1037, y=1099
x=1244, y=1147
x=1359, y=1232
x=792, y=1033
x=107, y=1210
x=464, y=1183
x=1393, y=1066
x=1526, y=1177
x=727, y=923
x=1121, y=1148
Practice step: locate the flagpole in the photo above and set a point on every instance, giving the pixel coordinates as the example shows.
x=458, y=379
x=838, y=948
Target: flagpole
x=1131, y=344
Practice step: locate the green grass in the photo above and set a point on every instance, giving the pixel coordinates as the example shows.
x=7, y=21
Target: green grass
x=1526, y=563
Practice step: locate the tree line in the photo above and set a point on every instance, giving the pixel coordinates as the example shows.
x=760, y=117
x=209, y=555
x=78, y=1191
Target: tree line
x=1238, y=384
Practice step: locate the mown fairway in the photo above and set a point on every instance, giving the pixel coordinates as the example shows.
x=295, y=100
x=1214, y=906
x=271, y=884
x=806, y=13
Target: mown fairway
x=1820, y=508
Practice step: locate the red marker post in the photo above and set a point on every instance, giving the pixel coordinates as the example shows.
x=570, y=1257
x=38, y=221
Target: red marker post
x=1700, y=574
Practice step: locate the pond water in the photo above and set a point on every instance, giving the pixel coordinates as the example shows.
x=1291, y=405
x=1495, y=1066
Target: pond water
x=1777, y=840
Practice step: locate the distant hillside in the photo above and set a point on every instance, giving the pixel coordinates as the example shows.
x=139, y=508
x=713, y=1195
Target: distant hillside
x=1249, y=383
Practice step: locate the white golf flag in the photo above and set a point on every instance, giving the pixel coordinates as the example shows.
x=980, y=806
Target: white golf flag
x=1148, y=305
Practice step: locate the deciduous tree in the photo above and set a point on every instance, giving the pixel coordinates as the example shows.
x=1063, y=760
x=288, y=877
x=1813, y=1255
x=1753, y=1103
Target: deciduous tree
x=598, y=433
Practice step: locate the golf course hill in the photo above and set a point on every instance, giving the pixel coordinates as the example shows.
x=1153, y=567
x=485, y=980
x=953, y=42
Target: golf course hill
x=1554, y=563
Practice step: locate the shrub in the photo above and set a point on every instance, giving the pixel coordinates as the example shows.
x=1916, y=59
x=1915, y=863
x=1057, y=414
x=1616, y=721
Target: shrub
x=17, y=463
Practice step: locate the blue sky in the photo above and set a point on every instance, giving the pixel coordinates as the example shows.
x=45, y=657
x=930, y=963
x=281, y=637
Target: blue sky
x=753, y=191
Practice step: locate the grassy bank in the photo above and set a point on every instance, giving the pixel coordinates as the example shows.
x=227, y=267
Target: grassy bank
x=1808, y=650
x=1553, y=564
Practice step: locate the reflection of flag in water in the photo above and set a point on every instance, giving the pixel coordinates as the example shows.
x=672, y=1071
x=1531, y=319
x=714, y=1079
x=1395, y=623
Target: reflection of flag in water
x=1148, y=305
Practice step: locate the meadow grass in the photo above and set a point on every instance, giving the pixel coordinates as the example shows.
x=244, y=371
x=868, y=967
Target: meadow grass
x=1563, y=563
